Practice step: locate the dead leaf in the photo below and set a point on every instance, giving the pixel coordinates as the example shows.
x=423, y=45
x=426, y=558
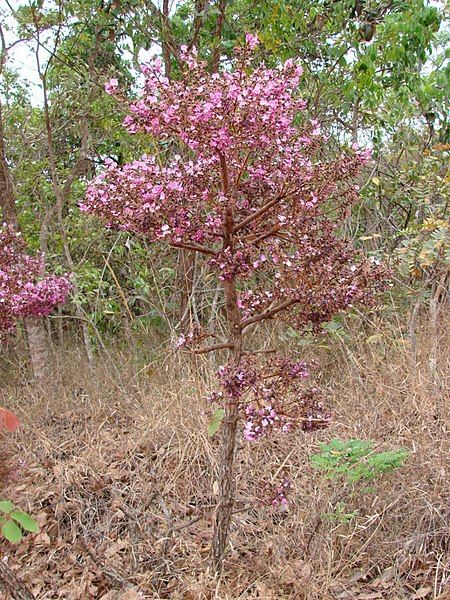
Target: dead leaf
x=357, y=577
x=385, y=579
x=115, y=547
x=422, y=593
x=131, y=595
x=8, y=420
x=305, y=572
x=264, y=591
x=111, y=595
x=42, y=538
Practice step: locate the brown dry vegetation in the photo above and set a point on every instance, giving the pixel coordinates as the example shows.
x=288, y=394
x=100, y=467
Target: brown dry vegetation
x=120, y=474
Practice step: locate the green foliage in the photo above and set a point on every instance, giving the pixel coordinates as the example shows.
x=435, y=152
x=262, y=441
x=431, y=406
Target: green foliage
x=425, y=245
x=215, y=422
x=14, y=522
x=339, y=514
x=355, y=460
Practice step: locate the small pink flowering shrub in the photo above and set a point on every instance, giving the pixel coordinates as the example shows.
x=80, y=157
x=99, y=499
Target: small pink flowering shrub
x=249, y=190
x=24, y=290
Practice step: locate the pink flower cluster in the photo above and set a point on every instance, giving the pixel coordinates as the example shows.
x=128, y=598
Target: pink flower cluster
x=216, y=113
x=276, y=493
x=280, y=493
x=272, y=396
x=24, y=290
x=260, y=421
x=245, y=122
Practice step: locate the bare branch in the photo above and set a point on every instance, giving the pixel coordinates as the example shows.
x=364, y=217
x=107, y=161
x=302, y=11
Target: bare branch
x=213, y=347
x=260, y=212
x=268, y=314
x=195, y=247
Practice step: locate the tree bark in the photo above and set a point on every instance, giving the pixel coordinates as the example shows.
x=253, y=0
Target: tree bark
x=11, y=584
x=38, y=345
x=7, y=203
x=185, y=276
x=218, y=36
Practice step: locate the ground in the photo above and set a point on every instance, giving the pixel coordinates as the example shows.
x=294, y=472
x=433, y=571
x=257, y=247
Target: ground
x=115, y=463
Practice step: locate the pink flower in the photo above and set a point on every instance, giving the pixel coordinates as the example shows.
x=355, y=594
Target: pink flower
x=111, y=86
x=25, y=291
x=251, y=40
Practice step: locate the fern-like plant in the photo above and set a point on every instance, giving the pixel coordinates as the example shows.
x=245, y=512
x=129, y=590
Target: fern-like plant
x=354, y=461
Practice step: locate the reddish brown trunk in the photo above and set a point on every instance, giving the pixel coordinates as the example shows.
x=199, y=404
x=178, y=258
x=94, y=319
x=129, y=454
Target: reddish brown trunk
x=227, y=479
x=218, y=36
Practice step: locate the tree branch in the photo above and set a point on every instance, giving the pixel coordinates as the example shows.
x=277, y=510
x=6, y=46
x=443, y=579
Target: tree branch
x=195, y=247
x=267, y=314
x=259, y=213
x=213, y=347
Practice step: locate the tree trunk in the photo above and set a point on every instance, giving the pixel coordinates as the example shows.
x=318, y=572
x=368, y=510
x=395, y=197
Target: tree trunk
x=227, y=479
x=218, y=36
x=38, y=345
x=185, y=276
x=12, y=585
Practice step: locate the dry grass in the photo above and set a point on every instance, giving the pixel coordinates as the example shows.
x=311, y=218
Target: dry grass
x=120, y=472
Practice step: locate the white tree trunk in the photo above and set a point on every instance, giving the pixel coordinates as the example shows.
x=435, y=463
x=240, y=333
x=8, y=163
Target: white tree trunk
x=38, y=345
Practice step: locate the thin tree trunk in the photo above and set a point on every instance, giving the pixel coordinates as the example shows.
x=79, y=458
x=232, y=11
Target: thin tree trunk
x=185, y=275
x=227, y=480
x=185, y=271
x=412, y=329
x=7, y=203
x=61, y=194
x=12, y=585
x=437, y=290
x=38, y=346
x=218, y=36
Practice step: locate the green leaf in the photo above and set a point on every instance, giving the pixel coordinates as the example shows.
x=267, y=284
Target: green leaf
x=6, y=506
x=27, y=522
x=214, y=424
x=12, y=532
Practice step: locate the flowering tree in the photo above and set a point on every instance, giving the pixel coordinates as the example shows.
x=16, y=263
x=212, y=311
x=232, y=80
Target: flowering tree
x=25, y=292
x=250, y=192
